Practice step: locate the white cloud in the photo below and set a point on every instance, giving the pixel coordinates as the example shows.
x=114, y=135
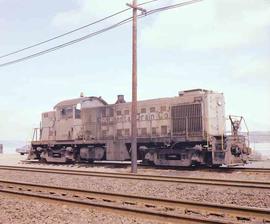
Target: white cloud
x=210, y=24
x=3, y=22
x=251, y=68
x=86, y=11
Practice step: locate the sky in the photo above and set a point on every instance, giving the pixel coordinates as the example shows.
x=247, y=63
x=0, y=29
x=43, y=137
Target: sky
x=219, y=45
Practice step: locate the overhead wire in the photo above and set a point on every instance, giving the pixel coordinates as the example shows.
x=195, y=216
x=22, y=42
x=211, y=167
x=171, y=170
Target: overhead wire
x=65, y=34
x=173, y=6
x=151, y=1
x=74, y=30
x=122, y=22
x=67, y=43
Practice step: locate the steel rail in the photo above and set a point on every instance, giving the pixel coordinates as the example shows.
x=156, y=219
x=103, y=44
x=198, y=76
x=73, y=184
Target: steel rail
x=144, y=177
x=216, y=169
x=246, y=169
x=158, y=208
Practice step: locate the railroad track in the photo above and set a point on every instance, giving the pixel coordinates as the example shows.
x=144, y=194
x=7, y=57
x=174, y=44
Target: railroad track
x=159, y=178
x=127, y=164
x=164, y=210
x=246, y=169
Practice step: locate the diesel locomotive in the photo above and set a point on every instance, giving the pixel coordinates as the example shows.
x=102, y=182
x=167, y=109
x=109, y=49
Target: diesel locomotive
x=185, y=130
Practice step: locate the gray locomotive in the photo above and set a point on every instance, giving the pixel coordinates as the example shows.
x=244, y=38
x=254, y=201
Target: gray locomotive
x=185, y=130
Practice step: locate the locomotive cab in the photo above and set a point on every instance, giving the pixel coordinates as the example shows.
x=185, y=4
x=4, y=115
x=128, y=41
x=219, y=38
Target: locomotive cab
x=68, y=117
x=61, y=128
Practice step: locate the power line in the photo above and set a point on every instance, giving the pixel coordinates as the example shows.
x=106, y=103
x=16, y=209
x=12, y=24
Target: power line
x=65, y=34
x=67, y=43
x=73, y=31
x=127, y=20
x=151, y=1
x=173, y=6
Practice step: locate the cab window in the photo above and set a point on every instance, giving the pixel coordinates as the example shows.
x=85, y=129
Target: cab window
x=78, y=111
x=66, y=113
x=77, y=114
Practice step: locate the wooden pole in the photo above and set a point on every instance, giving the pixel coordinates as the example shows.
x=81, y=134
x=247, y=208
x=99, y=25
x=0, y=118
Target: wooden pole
x=134, y=91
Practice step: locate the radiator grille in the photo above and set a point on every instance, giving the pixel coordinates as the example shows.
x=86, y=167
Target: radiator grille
x=187, y=119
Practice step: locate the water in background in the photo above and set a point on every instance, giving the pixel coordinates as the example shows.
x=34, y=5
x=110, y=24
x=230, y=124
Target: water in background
x=263, y=148
x=9, y=147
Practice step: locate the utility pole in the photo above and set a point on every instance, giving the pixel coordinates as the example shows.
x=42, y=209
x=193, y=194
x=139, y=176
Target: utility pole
x=134, y=88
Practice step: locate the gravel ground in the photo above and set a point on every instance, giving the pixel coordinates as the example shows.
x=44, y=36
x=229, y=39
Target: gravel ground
x=232, y=175
x=216, y=194
x=21, y=212
x=13, y=159
x=12, y=210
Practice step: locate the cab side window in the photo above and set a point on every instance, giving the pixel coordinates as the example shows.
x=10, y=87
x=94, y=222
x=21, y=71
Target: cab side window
x=77, y=114
x=66, y=113
x=78, y=111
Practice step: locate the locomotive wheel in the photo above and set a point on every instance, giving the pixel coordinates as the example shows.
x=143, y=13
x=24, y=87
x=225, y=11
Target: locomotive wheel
x=70, y=161
x=43, y=160
x=148, y=163
x=90, y=161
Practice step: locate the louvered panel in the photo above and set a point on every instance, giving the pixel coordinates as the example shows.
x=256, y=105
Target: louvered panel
x=187, y=119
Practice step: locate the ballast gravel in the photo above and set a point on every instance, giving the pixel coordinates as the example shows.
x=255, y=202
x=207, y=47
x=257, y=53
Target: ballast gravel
x=180, y=191
x=30, y=211
x=14, y=211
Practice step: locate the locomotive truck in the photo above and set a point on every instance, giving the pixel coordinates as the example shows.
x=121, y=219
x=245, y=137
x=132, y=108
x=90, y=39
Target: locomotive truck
x=185, y=130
